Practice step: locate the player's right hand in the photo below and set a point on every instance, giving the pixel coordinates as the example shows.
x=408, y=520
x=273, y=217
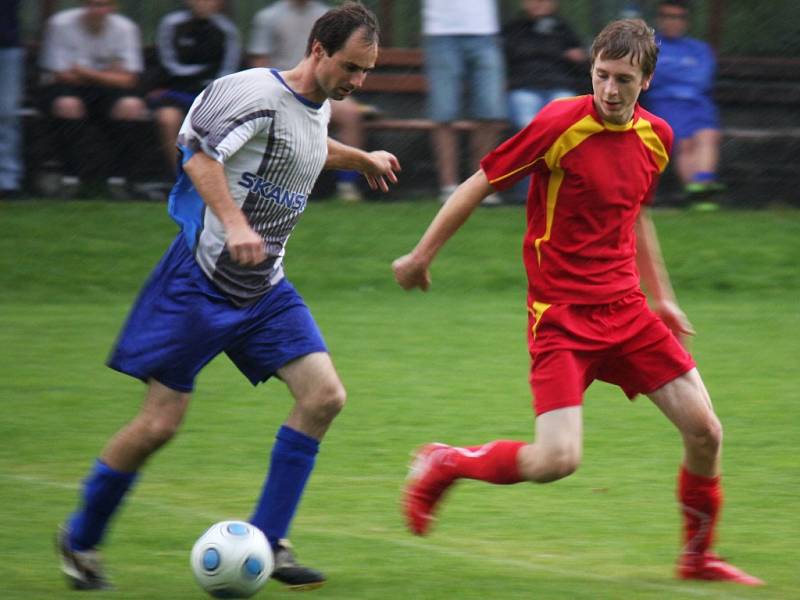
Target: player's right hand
x=411, y=272
x=245, y=246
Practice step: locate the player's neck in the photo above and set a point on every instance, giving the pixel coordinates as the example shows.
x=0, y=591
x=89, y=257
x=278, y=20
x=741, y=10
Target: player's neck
x=301, y=80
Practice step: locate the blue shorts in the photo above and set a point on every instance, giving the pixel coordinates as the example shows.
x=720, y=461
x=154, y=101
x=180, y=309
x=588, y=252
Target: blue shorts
x=475, y=60
x=180, y=321
x=686, y=117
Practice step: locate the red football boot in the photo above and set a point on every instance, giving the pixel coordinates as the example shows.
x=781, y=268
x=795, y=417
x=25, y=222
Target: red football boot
x=710, y=567
x=429, y=476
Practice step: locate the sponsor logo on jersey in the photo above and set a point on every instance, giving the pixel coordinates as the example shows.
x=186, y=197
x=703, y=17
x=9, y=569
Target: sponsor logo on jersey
x=273, y=192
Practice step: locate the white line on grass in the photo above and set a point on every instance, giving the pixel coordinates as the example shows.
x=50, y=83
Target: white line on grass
x=411, y=543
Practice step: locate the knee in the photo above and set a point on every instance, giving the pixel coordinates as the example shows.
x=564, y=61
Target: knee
x=129, y=108
x=68, y=107
x=545, y=463
x=328, y=401
x=156, y=432
x=708, y=437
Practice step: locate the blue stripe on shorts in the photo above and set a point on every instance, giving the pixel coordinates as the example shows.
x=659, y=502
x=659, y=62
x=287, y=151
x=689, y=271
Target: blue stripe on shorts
x=181, y=321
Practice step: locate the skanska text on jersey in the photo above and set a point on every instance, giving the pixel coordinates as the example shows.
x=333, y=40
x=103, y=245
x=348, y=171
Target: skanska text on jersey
x=271, y=191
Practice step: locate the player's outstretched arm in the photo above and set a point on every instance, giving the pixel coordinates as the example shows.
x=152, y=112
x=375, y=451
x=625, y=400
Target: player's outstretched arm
x=412, y=270
x=378, y=167
x=655, y=279
x=208, y=176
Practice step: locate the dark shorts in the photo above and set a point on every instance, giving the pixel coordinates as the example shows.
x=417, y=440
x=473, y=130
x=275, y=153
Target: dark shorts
x=99, y=101
x=623, y=343
x=686, y=117
x=181, y=321
x=170, y=98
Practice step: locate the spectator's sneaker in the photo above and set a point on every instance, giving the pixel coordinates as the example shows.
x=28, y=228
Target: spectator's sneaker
x=117, y=188
x=70, y=187
x=348, y=191
x=83, y=569
x=429, y=476
x=445, y=192
x=710, y=567
x=494, y=199
x=292, y=574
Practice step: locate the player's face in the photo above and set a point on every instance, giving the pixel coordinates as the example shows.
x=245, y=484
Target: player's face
x=617, y=84
x=344, y=72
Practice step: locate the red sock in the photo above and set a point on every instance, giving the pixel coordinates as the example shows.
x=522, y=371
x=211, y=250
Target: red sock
x=495, y=462
x=701, y=499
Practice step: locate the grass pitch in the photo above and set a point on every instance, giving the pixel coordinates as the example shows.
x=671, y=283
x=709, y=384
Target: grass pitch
x=449, y=365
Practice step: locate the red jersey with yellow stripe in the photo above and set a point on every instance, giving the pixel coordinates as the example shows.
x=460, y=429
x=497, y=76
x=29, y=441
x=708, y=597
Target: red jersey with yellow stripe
x=589, y=179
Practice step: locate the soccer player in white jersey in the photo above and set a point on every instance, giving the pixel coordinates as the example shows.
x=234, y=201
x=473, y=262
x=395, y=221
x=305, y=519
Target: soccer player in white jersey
x=252, y=146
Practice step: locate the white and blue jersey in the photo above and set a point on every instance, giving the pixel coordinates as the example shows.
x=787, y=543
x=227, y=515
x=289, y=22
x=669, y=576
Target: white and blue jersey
x=273, y=145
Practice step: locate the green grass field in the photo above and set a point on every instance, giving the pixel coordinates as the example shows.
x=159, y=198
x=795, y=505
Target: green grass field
x=449, y=365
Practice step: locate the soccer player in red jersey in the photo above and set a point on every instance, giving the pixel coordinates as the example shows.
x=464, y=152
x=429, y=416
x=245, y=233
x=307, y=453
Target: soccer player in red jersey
x=593, y=161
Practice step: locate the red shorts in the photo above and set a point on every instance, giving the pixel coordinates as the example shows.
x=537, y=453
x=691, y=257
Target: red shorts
x=623, y=343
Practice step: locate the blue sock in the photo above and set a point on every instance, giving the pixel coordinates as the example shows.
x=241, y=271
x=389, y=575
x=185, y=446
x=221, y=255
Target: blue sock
x=103, y=491
x=293, y=457
x=347, y=176
x=704, y=177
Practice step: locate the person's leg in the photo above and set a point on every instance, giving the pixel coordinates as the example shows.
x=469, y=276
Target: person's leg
x=127, y=115
x=11, y=75
x=319, y=396
x=444, y=71
x=115, y=471
x=348, y=124
x=70, y=120
x=704, y=156
x=169, y=120
x=686, y=403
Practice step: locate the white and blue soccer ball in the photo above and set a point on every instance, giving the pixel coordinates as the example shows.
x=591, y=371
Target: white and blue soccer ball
x=232, y=559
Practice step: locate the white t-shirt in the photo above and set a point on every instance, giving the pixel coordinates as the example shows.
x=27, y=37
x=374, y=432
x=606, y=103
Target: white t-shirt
x=281, y=31
x=273, y=145
x=68, y=42
x=460, y=17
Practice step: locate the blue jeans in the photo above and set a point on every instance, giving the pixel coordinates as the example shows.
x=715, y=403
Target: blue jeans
x=12, y=66
x=525, y=103
x=452, y=61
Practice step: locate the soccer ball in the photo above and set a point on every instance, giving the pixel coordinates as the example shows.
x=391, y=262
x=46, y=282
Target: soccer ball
x=232, y=559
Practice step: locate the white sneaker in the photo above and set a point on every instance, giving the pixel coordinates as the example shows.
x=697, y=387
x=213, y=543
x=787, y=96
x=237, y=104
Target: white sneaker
x=492, y=200
x=445, y=192
x=348, y=191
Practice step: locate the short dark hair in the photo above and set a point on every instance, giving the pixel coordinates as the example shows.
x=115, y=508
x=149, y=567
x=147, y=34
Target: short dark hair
x=628, y=36
x=333, y=29
x=684, y=4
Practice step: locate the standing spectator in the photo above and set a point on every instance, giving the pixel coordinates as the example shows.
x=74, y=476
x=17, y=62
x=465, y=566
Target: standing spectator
x=544, y=59
x=12, y=67
x=92, y=58
x=195, y=46
x=681, y=93
x=278, y=40
x=462, y=47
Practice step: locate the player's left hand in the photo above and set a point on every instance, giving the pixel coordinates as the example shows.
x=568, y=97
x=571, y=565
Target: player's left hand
x=380, y=169
x=676, y=320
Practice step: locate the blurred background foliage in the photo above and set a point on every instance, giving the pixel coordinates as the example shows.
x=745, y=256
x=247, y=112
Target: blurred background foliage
x=736, y=27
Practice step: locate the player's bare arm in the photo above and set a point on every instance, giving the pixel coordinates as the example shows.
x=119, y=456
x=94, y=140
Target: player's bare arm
x=378, y=167
x=655, y=278
x=411, y=271
x=208, y=176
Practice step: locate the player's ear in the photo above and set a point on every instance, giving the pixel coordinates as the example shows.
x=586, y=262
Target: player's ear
x=646, y=82
x=317, y=51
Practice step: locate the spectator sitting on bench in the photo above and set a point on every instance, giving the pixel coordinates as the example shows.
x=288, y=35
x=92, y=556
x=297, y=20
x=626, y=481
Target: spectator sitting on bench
x=681, y=93
x=195, y=46
x=91, y=60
